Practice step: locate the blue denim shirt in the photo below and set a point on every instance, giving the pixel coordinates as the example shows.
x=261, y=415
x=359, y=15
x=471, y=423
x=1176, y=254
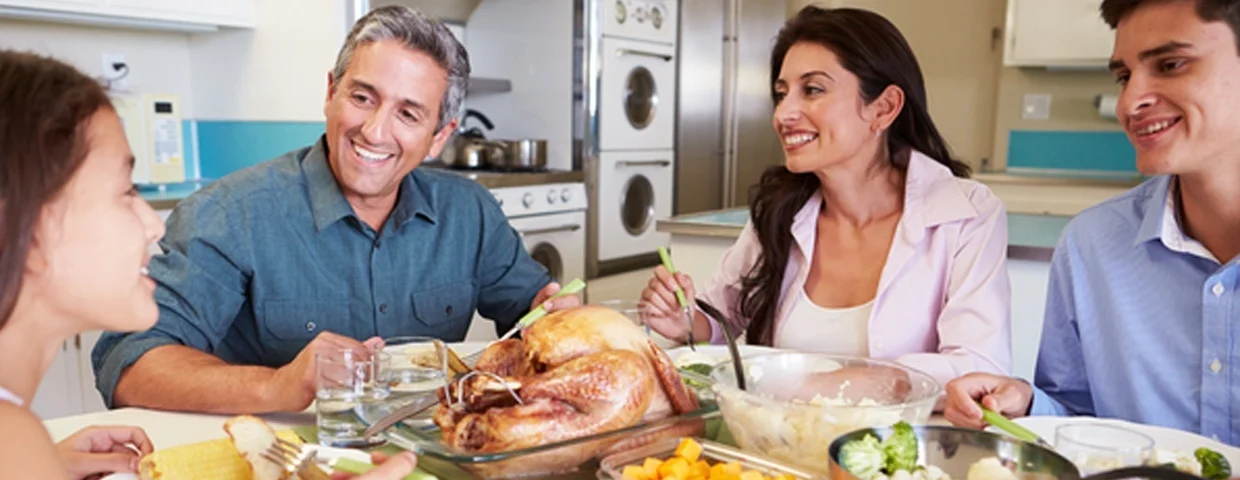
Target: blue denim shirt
x=260, y=262
x=1142, y=323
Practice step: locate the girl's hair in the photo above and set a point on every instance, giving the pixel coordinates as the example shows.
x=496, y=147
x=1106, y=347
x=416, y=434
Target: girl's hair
x=874, y=50
x=44, y=108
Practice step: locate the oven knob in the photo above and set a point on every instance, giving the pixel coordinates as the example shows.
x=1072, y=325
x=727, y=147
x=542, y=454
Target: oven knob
x=566, y=195
x=621, y=13
x=656, y=17
x=640, y=15
x=528, y=200
x=551, y=196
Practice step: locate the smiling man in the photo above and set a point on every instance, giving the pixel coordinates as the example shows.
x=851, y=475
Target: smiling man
x=1143, y=311
x=337, y=243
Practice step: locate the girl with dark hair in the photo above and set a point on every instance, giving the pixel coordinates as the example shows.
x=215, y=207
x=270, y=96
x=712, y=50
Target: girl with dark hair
x=869, y=240
x=74, y=236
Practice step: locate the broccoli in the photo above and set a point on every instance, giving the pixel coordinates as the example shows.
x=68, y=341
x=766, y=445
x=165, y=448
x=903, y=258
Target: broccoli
x=1214, y=465
x=900, y=449
x=863, y=458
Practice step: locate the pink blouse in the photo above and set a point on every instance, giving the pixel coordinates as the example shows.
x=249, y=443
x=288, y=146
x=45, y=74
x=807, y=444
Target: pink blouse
x=943, y=304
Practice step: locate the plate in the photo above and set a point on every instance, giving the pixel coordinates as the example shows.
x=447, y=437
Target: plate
x=325, y=455
x=1165, y=439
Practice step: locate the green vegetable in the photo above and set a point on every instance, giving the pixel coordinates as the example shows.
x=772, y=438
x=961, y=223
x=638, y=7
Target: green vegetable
x=863, y=458
x=698, y=368
x=355, y=467
x=1214, y=465
x=900, y=449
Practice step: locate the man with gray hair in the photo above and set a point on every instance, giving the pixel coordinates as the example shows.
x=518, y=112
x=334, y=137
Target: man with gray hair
x=335, y=244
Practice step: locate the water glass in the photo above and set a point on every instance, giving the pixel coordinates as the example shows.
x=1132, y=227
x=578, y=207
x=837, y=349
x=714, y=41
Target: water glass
x=414, y=364
x=1097, y=447
x=345, y=379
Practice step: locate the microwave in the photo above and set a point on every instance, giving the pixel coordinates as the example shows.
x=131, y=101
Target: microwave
x=152, y=123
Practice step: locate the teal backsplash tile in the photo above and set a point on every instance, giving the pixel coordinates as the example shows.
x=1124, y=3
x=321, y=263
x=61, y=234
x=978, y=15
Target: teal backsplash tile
x=1071, y=150
x=225, y=146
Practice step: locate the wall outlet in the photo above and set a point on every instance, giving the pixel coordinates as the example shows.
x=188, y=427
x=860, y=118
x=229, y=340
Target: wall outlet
x=1037, y=106
x=115, y=77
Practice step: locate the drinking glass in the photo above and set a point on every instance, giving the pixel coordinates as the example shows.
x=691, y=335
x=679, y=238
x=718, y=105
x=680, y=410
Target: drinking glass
x=1096, y=447
x=345, y=379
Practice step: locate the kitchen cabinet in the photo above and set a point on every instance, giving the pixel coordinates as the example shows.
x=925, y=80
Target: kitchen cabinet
x=1056, y=33
x=68, y=387
x=176, y=15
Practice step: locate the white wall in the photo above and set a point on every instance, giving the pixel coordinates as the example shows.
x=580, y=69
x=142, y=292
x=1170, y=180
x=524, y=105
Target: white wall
x=278, y=71
x=158, y=61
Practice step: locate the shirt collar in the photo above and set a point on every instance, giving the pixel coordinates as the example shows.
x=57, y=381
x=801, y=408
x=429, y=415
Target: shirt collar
x=932, y=197
x=327, y=202
x=1161, y=221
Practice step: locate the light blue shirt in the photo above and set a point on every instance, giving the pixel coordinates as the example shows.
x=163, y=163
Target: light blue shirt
x=1141, y=321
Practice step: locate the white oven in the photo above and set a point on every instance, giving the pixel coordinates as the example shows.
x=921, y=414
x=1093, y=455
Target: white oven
x=551, y=220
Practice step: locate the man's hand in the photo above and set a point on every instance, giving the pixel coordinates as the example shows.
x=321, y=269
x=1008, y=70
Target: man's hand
x=292, y=387
x=544, y=298
x=102, y=450
x=1010, y=397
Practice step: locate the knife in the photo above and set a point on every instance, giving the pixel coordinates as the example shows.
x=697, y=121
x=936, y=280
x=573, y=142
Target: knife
x=415, y=407
x=680, y=295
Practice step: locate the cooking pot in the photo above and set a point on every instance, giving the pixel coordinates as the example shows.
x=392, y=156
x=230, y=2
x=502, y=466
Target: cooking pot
x=523, y=154
x=469, y=148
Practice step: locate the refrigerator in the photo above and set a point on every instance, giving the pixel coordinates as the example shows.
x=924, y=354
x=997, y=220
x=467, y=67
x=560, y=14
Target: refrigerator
x=724, y=135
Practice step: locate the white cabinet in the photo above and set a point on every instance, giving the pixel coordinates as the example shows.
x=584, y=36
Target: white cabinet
x=68, y=387
x=1057, y=33
x=176, y=15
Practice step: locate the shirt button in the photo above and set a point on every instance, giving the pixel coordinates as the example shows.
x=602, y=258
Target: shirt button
x=1216, y=366
x=448, y=310
x=383, y=308
x=310, y=326
x=1218, y=289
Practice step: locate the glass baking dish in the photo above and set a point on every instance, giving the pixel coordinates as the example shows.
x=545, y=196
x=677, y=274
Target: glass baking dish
x=612, y=466
x=421, y=435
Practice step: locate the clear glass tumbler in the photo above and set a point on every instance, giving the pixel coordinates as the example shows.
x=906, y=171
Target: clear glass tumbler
x=1097, y=447
x=344, y=380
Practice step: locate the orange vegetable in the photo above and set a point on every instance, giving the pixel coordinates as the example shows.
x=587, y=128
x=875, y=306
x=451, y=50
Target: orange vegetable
x=686, y=464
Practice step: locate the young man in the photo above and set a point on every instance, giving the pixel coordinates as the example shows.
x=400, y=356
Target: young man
x=1143, y=311
x=334, y=243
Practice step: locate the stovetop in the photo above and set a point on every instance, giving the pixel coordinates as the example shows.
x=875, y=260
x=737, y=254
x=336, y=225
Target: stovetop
x=496, y=178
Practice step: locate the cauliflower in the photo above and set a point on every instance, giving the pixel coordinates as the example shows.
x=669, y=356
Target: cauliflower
x=990, y=468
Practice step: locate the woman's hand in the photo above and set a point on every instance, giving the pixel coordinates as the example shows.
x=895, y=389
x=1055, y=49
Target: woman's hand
x=660, y=308
x=389, y=468
x=101, y=450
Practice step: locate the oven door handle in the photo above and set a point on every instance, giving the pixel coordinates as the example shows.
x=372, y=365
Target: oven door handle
x=642, y=53
x=544, y=231
x=643, y=163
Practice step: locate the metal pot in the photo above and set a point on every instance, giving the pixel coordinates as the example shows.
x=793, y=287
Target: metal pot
x=524, y=154
x=461, y=150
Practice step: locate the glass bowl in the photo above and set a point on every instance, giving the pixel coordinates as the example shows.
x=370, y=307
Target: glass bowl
x=796, y=403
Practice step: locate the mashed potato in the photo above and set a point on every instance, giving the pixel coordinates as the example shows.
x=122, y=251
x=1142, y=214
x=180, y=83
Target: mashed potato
x=989, y=468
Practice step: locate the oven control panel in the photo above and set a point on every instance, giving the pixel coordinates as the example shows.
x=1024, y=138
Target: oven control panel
x=541, y=199
x=649, y=20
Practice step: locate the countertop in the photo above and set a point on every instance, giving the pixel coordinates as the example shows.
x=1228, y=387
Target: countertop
x=1025, y=231
x=166, y=196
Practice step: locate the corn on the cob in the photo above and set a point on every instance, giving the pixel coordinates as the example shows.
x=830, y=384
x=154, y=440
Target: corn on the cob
x=213, y=459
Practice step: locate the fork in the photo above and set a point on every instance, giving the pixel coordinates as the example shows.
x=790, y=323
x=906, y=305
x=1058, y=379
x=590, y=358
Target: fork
x=296, y=460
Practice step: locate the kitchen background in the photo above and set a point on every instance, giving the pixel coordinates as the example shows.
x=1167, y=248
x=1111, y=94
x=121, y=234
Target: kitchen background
x=642, y=123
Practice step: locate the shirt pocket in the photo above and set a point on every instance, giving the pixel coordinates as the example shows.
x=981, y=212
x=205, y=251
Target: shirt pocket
x=300, y=321
x=445, y=310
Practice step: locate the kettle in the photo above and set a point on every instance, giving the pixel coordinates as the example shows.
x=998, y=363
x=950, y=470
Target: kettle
x=468, y=148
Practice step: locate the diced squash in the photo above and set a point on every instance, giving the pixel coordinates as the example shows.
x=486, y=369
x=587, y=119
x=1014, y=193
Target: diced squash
x=701, y=469
x=689, y=450
x=732, y=468
x=651, y=466
x=752, y=475
x=784, y=477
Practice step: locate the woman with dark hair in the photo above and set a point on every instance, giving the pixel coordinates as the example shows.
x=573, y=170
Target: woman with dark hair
x=869, y=240
x=73, y=253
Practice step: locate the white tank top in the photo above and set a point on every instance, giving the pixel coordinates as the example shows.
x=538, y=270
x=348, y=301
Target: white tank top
x=835, y=331
x=7, y=396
